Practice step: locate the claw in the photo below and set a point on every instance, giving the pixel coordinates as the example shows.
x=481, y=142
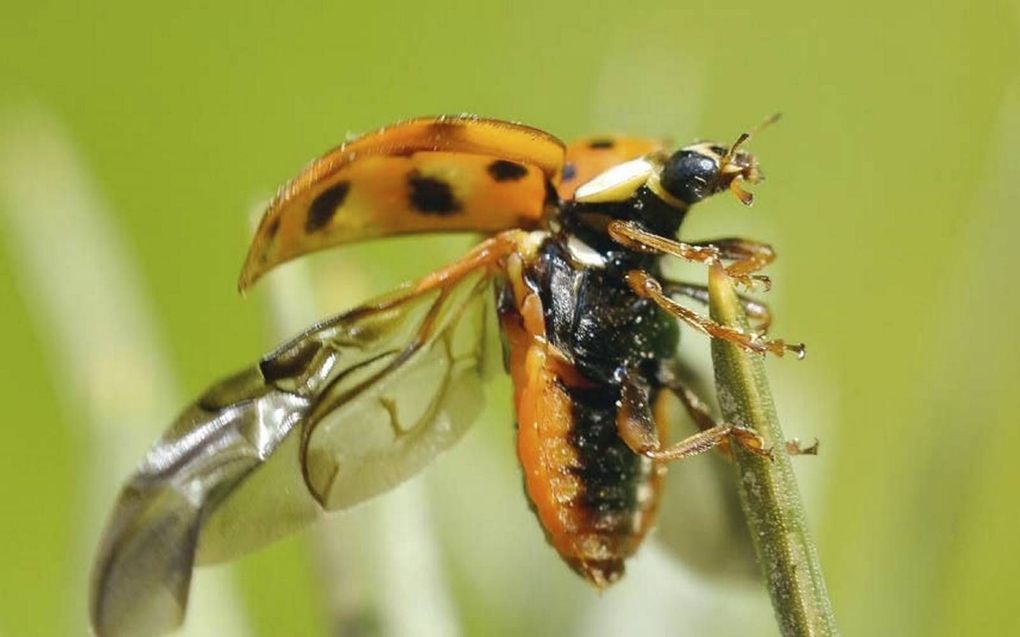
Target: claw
x=750, y=281
x=750, y=440
x=777, y=347
x=794, y=448
x=765, y=281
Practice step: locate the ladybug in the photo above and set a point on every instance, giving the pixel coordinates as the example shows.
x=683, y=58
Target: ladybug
x=362, y=401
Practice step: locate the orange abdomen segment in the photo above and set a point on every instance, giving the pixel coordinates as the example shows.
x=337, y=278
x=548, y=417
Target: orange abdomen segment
x=594, y=497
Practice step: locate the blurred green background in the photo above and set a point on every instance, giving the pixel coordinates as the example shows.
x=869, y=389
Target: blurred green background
x=136, y=141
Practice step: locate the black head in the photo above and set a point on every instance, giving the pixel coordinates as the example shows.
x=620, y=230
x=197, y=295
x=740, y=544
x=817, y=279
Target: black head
x=701, y=170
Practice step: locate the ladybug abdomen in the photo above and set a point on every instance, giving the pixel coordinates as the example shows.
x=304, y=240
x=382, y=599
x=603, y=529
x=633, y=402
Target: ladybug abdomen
x=594, y=497
x=572, y=326
x=619, y=488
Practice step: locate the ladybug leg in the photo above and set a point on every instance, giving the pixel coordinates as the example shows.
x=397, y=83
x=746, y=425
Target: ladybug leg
x=636, y=427
x=491, y=253
x=747, y=256
x=758, y=312
x=795, y=448
x=709, y=439
x=644, y=285
x=633, y=236
x=705, y=421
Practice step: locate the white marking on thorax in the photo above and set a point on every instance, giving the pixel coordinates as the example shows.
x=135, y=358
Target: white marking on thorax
x=619, y=183
x=584, y=253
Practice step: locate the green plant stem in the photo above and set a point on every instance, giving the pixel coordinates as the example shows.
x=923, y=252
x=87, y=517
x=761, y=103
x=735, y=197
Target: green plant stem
x=767, y=487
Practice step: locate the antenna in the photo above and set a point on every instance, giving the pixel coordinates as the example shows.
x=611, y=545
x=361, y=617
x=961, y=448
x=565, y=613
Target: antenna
x=728, y=157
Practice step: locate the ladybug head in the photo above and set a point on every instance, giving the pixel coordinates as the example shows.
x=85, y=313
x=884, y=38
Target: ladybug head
x=705, y=168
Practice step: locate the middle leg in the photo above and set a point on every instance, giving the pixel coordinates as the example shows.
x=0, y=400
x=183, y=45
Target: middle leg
x=644, y=285
x=757, y=312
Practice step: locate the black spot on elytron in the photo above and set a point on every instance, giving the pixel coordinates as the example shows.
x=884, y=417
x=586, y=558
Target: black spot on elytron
x=444, y=130
x=552, y=198
x=601, y=143
x=325, y=205
x=272, y=229
x=503, y=170
x=431, y=196
x=569, y=171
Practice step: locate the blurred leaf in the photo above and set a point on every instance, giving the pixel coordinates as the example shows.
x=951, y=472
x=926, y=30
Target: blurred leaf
x=101, y=343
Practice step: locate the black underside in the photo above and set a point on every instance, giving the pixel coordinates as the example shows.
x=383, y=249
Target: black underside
x=609, y=470
x=593, y=316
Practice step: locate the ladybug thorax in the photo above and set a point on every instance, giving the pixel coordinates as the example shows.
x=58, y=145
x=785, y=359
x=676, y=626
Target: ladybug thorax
x=590, y=312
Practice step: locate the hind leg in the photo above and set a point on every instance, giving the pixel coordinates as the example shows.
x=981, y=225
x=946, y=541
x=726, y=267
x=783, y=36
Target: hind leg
x=636, y=426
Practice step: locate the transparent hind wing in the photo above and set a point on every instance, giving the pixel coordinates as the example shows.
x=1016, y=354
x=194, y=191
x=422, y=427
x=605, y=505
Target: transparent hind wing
x=345, y=411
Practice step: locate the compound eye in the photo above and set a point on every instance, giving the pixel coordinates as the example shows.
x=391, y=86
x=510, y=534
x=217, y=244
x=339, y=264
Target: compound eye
x=689, y=176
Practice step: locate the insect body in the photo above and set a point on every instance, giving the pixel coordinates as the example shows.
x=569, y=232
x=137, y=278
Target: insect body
x=363, y=400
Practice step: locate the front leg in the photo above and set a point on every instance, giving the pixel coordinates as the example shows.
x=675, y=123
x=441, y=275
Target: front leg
x=633, y=236
x=747, y=256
